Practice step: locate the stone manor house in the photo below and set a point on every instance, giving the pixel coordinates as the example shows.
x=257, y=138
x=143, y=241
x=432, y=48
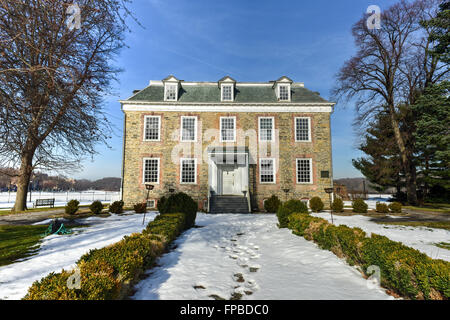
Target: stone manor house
x=230, y=145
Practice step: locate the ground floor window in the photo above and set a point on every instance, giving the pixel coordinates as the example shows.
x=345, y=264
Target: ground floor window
x=151, y=170
x=304, y=171
x=267, y=170
x=188, y=172
x=151, y=204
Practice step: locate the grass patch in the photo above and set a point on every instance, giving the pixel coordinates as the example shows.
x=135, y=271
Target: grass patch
x=41, y=209
x=429, y=224
x=430, y=208
x=18, y=242
x=443, y=245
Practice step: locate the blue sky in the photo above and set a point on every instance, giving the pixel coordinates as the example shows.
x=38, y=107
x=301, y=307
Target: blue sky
x=250, y=41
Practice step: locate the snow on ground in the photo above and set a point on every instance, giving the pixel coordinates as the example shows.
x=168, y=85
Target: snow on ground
x=61, y=252
x=420, y=238
x=239, y=253
x=61, y=198
x=372, y=200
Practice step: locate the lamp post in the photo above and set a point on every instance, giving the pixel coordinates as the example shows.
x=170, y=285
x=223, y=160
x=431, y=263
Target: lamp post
x=149, y=188
x=330, y=191
x=285, y=193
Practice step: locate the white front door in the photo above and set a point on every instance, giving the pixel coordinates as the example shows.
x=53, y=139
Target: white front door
x=229, y=180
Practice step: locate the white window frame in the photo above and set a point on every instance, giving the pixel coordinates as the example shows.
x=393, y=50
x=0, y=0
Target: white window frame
x=274, y=171
x=181, y=170
x=154, y=203
x=145, y=128
x=222, y=91
x=143, y=170
x=166, y=89
x=234, y=133
x=273, y=129
x=309, y=129
x=311, y=177
x=195, y=128
x=288, y=89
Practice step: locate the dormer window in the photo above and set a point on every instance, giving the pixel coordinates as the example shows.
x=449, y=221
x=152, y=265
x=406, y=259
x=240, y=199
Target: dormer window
x=171, y=92
x=284, y=94
x=227, y=85
x=171, y=87
x=227, y=92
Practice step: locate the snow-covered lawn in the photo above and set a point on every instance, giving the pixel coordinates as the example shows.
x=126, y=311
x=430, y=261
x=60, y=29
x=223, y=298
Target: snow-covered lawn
x=61, y=198
x=420, y=238
x=248, y=254
x=61, y=252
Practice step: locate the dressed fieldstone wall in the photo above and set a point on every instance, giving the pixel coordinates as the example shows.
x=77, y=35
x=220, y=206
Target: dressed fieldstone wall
x=285, y=150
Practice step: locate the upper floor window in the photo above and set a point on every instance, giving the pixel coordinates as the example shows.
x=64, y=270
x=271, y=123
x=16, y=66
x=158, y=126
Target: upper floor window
x=304, y=170
x=227, y=93
x=303, y=129
x=284, y=93
x=227, y=129
x=151, y=170
x=188, y=172
x=267, y=170
x=188, y=128
x=152, y=128
x=266, y=129
x=171, y=92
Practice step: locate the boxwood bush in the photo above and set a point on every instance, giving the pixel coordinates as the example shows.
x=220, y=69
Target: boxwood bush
x=337, y=205
x=180, y=202
x=272, y=204
x=116, y=207
x=288, y=208
x=108, y=273
x=359, y=206
x=96, y=207
x=395, y=207
x=316, y=204
x=405, y=271
x=72, y=206
x=140, y=207
x=381, y=207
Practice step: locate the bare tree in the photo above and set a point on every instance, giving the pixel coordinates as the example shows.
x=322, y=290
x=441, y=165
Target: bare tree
x=391, y=68
x=53, y=78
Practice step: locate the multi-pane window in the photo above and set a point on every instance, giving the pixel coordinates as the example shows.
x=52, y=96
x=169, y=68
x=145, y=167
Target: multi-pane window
x=151, y=170
x=152, y=128
x=303, y=129
x=151, y=204
x=188, y=171
x=188, y=128
x=304, y=170
x=227, y=93
x=267, y=170
x=171, y=92
x=266, y=129
x=284, y=93
x=227, y=129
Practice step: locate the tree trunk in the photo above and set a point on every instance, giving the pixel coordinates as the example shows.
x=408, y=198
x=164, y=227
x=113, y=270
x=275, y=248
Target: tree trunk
x=409, y=168
x=26, y=168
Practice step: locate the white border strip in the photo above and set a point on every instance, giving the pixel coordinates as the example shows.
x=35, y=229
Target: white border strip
x=225, y=108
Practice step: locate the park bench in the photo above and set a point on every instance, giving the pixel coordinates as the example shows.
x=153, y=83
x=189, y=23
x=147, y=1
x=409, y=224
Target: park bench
x=44, y=203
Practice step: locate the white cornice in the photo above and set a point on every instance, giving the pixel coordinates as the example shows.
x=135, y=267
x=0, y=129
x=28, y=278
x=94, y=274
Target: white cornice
x=228, y=107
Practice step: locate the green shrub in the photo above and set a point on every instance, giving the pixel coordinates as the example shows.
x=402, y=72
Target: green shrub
x=404, y=270
x=395, y=207
x=288, y=208
x=108, y=273
x=382, y=207
x=180, y=203
x=316, y=204
x=140, y=207
x=96, y=207
x=160, y=204
x=116, y=207
x=337, y=205
x=359, y=206
x=272, y=204
x=72, y=206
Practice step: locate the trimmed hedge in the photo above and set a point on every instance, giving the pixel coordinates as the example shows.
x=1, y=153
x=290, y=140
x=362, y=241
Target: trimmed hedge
x=116, y=207
x=337, y=205
x=395, y=207
x=272, y=204
x=109, y=273
x=316, y=204
x=140, y=207
x=96, y=207
x=381, y=207
x=72, y=206
x=288, y=208
x=404, y=270
x=180, y=202
x=359, y=206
